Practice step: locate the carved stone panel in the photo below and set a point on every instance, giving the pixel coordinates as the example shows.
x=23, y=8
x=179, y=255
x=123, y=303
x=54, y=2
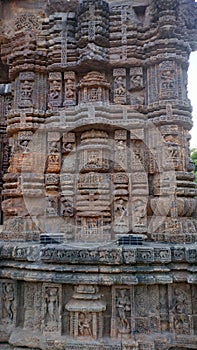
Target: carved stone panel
x=180, y=309
x=94, y=87
x=86, y=314
x=69, y=89
x=122, y=309
x=168, y=83
x=120, y=89
x=51, y=308
x=32, y=306
x=8, y=302
x=55, y=89
x=26, y=81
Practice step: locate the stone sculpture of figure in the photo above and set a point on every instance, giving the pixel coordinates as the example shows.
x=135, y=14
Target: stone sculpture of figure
x=181, y=322
x=8, y=298
x=67, y=147
x=121, y=154
x=172, y=145
x=85, y=324
x=26, y=90
x=51, y=207
x=123, y=306
x=53, y=147
x=70, y=88
x=139, y=212
x=51, y=304
x=136, y=81
x=67, y=208
x=55, y=90
x=121, y=209
x=119, y=86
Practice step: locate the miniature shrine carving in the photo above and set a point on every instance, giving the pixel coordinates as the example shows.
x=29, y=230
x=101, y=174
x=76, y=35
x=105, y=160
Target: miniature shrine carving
x=98, y=236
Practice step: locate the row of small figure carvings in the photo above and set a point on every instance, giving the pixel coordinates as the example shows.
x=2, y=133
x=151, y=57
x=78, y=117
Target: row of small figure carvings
x=109, y=254
x=95, y=312
x=93, y=87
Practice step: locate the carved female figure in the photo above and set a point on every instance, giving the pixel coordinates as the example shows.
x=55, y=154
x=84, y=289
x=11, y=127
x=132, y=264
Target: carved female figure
x=85, y=324
x=8, y=298
x=123, y=306
x=51, y=304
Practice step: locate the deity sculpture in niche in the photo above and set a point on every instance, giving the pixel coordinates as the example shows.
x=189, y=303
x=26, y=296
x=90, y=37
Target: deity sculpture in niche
x=168, y=82
x=86, y=312
x=120, y=91
x=136, y=93
x=93, y=87
x=96, y=198
x=55, y=89
x=180, y=311
x=69, y=89
x=121, y=209
x=8, y=301
x=123, y=306
x=26, y=80
x=85, y=324
x=139, y=213
x=51, y=308
x=136, y=78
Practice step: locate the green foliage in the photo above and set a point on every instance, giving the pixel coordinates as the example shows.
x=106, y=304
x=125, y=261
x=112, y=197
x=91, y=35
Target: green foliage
x=194, y=158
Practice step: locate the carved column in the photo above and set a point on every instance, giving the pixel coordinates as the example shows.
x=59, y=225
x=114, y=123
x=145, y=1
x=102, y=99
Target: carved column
x=5, y=106
x=169, y=110
x=29, y=81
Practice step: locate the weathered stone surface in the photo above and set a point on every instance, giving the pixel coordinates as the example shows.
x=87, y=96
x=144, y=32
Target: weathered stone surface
x=99, y=240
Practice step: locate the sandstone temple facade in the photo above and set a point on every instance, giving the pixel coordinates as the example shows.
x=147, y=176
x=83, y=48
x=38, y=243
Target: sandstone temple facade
x=98, y=240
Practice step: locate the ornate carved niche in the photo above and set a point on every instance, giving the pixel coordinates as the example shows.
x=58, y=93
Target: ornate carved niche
x=181, y=309
x=26, y=89
x=55, y=90
x=69, y=89
x=8, y=301
x=86, y=313
x=103, y=183
x=139, y=214
x=54, y=155
x=93, y=187
x=7, y=307
x=120, y=89
x=128, y=86
x=68, y=143
x=51, y=308
x=168, y=83
x=136, y=78
x=121, y=150
x=121, y=212
x=32, y=306
x=52, y=206
x=94, y=87
x=121, y=323
x=136, y=86
x=174, y=148
x=139, y=309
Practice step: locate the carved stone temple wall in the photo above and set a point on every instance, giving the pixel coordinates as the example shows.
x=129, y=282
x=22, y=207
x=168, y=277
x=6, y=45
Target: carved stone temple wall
x=98, y=243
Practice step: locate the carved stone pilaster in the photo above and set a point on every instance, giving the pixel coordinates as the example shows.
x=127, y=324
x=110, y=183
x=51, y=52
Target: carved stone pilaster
x=86, y=313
